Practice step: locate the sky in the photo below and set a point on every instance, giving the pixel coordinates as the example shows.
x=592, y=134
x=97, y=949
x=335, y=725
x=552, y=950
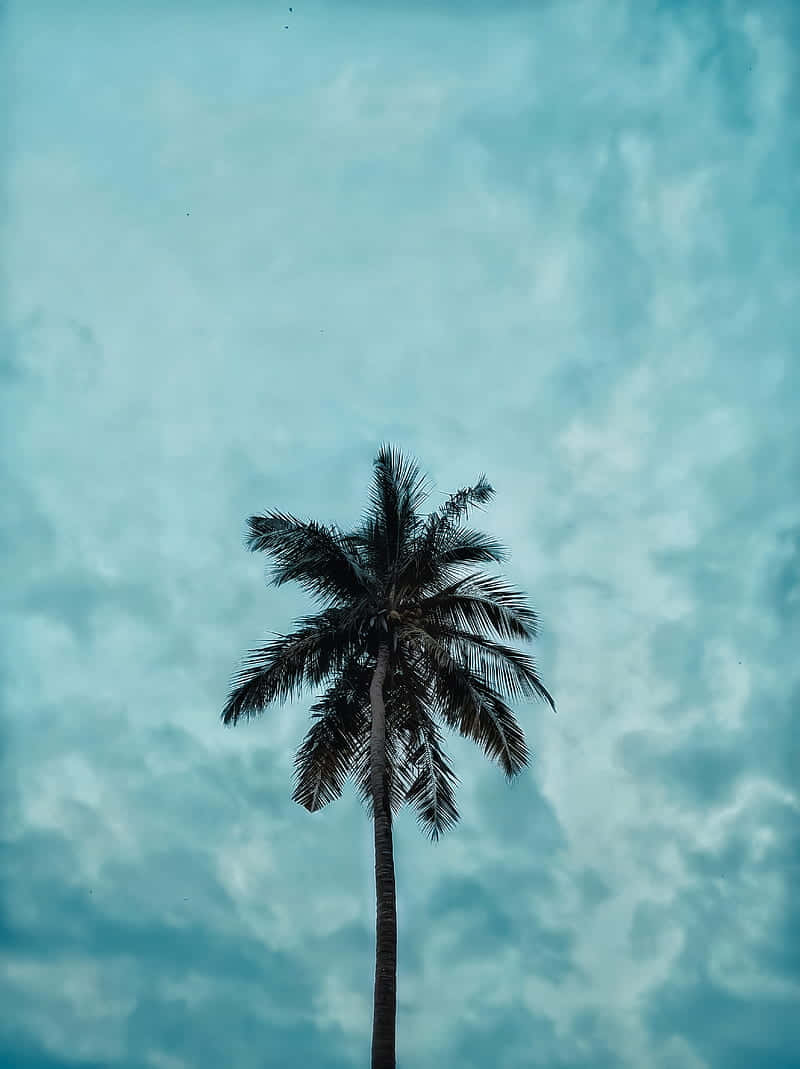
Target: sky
x=548, y=242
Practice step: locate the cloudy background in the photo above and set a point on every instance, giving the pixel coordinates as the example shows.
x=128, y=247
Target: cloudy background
x=551, y=242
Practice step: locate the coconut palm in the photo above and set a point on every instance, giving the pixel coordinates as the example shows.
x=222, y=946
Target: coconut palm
x=402, y=647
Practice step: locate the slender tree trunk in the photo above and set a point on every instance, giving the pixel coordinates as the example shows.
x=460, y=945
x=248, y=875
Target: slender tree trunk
x=385, y=1002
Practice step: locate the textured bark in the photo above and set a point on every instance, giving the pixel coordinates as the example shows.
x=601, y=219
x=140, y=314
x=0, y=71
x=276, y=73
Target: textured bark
x=385, y=1001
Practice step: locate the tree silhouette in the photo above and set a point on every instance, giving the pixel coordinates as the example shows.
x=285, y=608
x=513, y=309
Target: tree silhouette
x=402, y=645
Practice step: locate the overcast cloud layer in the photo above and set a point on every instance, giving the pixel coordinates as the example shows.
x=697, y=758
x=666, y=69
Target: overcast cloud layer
x=551, y=242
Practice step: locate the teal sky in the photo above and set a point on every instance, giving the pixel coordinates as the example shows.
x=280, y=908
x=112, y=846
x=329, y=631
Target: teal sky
x=551, y=242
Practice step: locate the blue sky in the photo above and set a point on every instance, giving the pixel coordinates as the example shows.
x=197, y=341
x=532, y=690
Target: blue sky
x=551, y=242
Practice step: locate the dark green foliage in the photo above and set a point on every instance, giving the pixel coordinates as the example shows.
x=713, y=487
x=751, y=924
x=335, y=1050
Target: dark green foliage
x=399, y=577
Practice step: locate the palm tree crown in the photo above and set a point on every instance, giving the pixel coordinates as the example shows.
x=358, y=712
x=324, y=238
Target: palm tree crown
x=405, y=581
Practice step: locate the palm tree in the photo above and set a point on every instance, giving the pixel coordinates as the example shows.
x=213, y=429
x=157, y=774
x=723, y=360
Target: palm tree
x=401, y=645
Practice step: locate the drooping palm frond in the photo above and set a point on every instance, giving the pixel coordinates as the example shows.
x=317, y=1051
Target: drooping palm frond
x=494, y=728
x=321, y=558
x=397, y=773
x=327, y=755
x=504, y=668
x=432, y=792
x=323, y=762
x=468, y=704
x=338, y=744
x=479, y=601
x=320, y=646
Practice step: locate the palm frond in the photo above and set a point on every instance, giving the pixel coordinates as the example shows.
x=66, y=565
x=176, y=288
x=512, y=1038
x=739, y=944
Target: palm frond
x=473, y=708
x=322, y=763
x=458, y=503
x=338, y=744
x=397, y=772
x=397, y=492
x=432, y=792
x=455, y=547
x=480, y=601
x=326, y=757
x=440, y=550
x=504, y=668
x=274, y=672
x=369, y=542
x=439, y=529
x=319, y=557
x=400, y=703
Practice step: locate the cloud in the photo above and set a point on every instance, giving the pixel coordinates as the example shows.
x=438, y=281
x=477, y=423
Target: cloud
x=551, y=243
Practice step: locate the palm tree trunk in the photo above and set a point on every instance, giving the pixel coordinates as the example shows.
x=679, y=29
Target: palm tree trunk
x=385, y=1002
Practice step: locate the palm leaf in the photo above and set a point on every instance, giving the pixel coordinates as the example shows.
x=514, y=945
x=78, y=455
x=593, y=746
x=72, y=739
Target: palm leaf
x=323, y=763
x=397, y=771
x=440, y=550
x=326, y=757
x=320, y=558
x=396, y=493
x=276, y=671
x=469, y=705
x=503, y=667
x=458, y=503
x=432, y=791
x=480, y=601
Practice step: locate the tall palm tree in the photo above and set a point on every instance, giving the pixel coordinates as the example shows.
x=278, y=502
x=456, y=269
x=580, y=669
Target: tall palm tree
x=401, y=646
